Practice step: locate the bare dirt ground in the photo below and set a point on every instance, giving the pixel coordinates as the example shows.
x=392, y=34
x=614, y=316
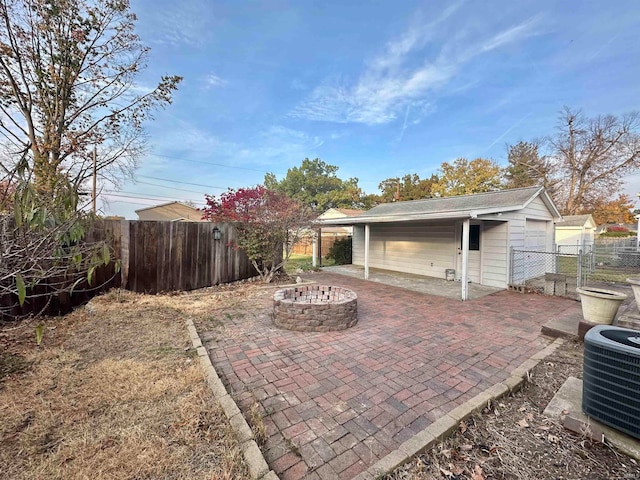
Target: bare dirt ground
x=514, y=440
x=115, y=391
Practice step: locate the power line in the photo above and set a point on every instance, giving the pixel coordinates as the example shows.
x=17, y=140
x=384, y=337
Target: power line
x=169, y=186
x=129, y=202
x=212, y=164
x=148, y=197
x=184, y=183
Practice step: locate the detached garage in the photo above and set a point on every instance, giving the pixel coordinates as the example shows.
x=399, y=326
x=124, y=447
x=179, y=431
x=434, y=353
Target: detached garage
x=471, y=234
x=575, y=233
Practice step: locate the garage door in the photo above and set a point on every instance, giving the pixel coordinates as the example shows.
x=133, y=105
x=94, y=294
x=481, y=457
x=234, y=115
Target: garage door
x=536, y=235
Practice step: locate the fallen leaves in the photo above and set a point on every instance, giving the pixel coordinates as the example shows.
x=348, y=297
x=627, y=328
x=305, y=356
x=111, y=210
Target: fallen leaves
x=463, y=427
x=456, y=471
x=526, y=421
x=477, y=473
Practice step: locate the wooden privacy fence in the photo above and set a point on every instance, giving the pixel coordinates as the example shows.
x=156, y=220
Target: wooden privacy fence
x=46, y=298
x=154, y=257
x=168, y=256
x=305, y=245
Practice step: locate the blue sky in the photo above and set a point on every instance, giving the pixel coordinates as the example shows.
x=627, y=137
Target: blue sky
x=380, y=89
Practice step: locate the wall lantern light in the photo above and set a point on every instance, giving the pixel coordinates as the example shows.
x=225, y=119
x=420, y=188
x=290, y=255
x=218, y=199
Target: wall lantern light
x=216, y=233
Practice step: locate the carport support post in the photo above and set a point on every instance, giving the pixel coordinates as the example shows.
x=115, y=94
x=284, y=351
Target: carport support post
x=366, y=251
x=464, y=278
x=314, y=250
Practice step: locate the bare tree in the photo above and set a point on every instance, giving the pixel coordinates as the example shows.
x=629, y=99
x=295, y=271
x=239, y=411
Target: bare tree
x=67, y=83
x=591, y=156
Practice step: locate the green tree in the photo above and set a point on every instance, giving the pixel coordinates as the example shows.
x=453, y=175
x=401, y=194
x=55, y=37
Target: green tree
x=67, y=78
x=316, y=184
x=527, y=168
x=463, y=177
x=409, y=187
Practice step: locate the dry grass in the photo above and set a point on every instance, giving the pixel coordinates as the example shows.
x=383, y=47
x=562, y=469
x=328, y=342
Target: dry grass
x=112, y=395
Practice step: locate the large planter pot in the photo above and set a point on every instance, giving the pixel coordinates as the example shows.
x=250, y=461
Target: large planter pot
x=600, y=305
x=635, y=286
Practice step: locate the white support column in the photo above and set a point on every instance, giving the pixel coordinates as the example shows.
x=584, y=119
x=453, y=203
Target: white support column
x=464, y=278
x=314, y=250
x=366, y=251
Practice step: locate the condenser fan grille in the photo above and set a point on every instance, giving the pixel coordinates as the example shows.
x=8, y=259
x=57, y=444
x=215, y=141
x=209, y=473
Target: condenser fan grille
x=611, y=378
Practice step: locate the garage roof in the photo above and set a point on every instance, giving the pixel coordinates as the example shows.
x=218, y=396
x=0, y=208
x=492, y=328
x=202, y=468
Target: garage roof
x=462, y=206
x=577, y=221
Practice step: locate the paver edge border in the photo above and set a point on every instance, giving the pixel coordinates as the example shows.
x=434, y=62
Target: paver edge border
x=258, y=467
x=447, y=424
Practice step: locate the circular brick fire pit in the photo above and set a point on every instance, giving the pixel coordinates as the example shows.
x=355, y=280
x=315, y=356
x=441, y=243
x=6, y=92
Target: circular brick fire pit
x=315, y=308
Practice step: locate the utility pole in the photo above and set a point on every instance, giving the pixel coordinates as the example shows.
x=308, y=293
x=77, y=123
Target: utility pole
x=95, y=175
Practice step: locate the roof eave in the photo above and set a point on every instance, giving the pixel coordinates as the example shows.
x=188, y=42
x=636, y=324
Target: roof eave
x=396, y=218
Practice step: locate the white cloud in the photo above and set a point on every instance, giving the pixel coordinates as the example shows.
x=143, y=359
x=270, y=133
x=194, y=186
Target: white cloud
x=270, y=146
x=297, y=84
x=510, y=35
x=402, y=78
x=212, y=80
x=414, y=38
x=181, y=24
x=278, y=144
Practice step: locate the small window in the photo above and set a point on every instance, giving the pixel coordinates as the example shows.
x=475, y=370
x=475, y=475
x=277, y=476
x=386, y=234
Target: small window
x=474, y=237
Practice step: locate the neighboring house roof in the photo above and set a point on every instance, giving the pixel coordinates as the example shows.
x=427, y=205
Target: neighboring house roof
x=462, y=206
x=350, y=212
x=172, y=211
x=340, y=213
x=585, y=220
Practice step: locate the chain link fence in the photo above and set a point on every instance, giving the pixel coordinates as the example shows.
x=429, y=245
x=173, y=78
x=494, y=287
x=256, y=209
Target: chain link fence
x=561, y=271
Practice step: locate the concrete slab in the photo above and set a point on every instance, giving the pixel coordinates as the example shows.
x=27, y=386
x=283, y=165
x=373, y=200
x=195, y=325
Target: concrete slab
x=417, y=283
x=628, y=316
x=563, y=326
x=567, y=405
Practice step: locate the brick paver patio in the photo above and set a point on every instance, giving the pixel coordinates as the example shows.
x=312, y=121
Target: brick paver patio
x=334, y=403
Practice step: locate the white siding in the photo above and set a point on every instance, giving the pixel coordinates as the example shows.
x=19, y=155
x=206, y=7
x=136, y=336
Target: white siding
x=572, y=239
x=357, y=246
x=569, y=236
x=419, y=248
x=536, y=210
x=495, y=254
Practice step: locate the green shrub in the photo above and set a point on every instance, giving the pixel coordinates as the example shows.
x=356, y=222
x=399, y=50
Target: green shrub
x=617, y=234
x=340, y=251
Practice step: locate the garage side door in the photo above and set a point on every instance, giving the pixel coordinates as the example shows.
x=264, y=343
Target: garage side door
x=535, y=240
x=535, y=237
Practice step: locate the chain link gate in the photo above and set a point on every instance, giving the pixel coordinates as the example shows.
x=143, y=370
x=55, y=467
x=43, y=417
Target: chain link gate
x=592, y=266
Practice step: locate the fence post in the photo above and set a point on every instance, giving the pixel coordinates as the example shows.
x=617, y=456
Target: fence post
x=511, y=257
x=579, y=270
